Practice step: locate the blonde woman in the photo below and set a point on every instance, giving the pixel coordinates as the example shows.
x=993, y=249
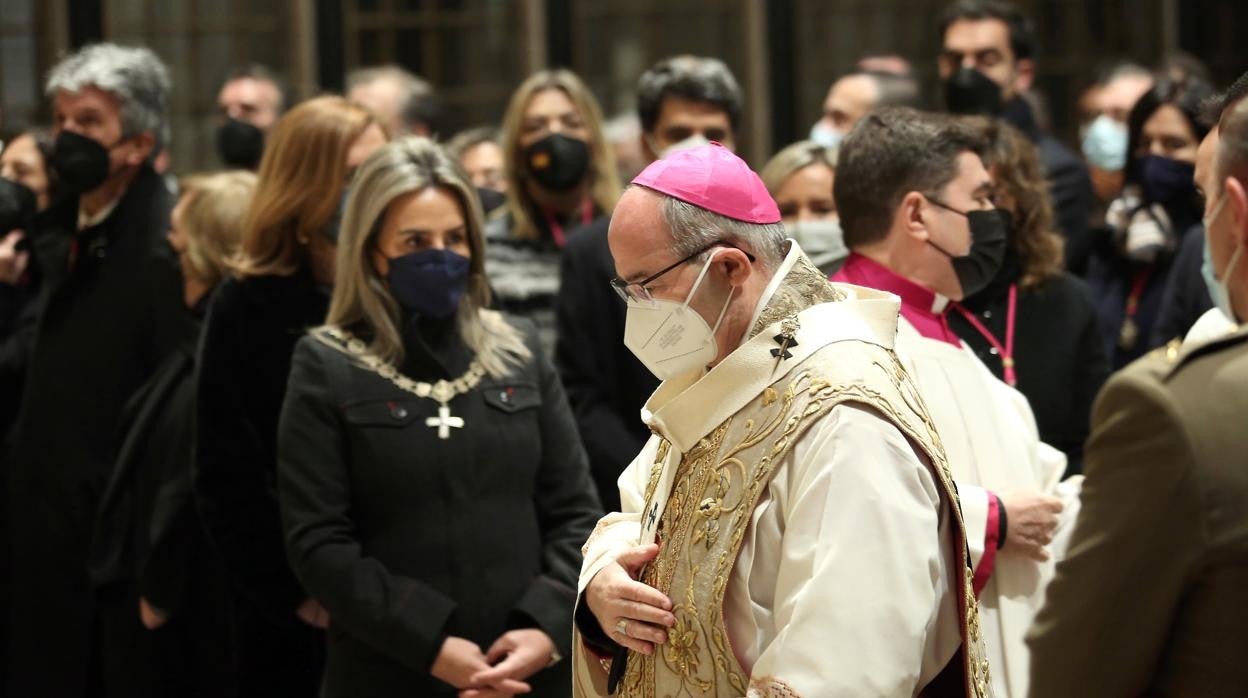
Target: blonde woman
x=433, y=489
x=800, y=179
x=560, y=175
x=160, y=591
x=279, y=287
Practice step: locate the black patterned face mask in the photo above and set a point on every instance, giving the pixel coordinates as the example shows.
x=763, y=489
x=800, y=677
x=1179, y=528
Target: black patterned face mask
x=557, y=162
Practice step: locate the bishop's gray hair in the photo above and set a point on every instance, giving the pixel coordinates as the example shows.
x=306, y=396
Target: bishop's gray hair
x=135, y=76
x=694, y=228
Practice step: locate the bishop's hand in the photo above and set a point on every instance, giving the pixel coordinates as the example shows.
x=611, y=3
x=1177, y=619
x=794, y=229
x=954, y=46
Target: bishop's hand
x=631, y=613
x=1031, y=522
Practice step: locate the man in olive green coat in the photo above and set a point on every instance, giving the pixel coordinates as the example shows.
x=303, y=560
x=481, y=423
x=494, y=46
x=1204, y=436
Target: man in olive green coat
x=1152, y=598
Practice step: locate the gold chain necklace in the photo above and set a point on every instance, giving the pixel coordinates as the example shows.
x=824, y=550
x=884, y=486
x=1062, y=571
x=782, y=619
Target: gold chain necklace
x=442, y=391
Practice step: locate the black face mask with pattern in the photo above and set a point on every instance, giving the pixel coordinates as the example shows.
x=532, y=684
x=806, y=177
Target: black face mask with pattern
x=557, y=162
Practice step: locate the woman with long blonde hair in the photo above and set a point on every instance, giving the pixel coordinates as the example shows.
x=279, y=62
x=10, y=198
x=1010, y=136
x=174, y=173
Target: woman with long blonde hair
x=433, y=489
x=161, y=598
x=279, y=287
x=561, y=175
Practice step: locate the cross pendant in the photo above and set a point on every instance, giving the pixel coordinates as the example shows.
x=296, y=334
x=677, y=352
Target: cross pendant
x=444, y=421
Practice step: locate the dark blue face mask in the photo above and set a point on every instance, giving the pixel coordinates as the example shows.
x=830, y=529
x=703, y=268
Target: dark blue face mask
x=1166, y=180
x=428, y=283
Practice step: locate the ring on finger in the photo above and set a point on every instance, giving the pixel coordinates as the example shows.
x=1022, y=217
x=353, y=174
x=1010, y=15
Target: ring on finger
x=621, y=626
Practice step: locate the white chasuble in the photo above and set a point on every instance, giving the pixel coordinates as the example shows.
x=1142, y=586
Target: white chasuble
x=991, y=442
x=812, y=543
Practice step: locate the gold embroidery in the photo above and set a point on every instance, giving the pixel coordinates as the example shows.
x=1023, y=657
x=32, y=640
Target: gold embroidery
x=717, y=485
x=771, y=687
x=803, y=287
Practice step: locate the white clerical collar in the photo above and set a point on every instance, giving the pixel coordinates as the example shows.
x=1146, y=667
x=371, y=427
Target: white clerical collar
x=685, y=407
x=85, y=221
x=939, y=303
x=793, y=254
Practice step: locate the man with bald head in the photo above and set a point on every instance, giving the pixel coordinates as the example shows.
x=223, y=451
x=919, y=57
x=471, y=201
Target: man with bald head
x=811, y=541
x=1150, y=599
x=854, y=96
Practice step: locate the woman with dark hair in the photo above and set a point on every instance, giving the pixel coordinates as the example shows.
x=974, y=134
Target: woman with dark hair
x=1145, y=226
x=29, y=187
x=1035, y=326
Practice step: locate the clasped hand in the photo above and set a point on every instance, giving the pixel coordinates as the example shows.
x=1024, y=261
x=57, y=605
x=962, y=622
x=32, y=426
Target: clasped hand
x=500, y=671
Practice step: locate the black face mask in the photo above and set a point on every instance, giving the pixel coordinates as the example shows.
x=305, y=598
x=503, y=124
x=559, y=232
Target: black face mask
x=976, y=269
x=557, y=162
x=81, y=164
x=240, y=144
x=18, y=206
x=969, y=91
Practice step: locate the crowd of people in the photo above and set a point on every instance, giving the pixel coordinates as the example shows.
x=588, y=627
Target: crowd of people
x=928, y=403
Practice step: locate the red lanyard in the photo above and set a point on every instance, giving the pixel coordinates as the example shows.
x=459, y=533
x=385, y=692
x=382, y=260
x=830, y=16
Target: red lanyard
x=556, y=228
x=1129, y=332
x=1137, y=290
x=1006, y=351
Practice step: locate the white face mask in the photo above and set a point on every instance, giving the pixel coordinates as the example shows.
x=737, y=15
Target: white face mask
x=1219, y=289
x=822, y=241
x=671, y=338
x=692, y=141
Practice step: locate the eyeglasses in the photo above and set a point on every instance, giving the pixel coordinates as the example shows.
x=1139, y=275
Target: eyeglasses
x=638, y=291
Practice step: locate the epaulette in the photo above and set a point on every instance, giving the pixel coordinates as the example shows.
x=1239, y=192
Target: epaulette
x=1178, y=356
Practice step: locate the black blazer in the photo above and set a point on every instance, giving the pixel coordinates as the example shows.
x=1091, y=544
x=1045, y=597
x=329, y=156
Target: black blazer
x=607, y=385
x=1059, y=353
x=102, y=328
x=407, y=538
x=244, y=359
x=149, y=542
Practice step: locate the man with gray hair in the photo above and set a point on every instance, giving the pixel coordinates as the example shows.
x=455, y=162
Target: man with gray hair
x=405, y=103
x=811, y=541
x=110, y=312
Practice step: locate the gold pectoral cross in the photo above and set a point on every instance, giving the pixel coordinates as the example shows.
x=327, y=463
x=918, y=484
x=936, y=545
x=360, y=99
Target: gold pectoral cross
x=444, y=422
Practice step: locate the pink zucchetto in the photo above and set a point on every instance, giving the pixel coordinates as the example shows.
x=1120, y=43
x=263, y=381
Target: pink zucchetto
x=713, y=178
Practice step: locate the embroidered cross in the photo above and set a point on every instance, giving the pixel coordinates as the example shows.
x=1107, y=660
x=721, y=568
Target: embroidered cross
x=444, y=421
x=654, y=510
x=786, y=338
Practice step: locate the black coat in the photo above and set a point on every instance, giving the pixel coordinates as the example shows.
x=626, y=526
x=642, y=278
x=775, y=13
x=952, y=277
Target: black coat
x=103, y=328
x=1070, y=185
x=607, y=385
x=407, y=538
x=1186, y=297
x=1111, y=278
x=1059, y=355
x=148, y=541
x=243, y=363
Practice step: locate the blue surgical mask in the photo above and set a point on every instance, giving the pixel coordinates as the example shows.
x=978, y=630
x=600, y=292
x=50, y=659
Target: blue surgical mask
x=1105, y=144
x=428, y=283
x=1219, y=290
x=825, y=136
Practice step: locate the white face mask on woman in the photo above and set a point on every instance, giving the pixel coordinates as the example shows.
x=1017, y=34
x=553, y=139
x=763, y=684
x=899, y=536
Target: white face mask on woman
x=669, y=337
